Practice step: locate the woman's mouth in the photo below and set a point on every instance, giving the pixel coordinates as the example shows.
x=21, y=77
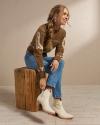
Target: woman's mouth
x=65, y=20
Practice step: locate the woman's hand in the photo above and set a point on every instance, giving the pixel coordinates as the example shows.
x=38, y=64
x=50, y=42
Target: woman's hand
x=54, y=65
x=42, y=83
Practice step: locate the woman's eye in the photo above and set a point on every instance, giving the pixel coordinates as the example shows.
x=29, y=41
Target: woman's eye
x=65, y=14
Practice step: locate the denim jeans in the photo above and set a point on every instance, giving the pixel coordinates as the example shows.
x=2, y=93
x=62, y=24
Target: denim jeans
x=54, y=77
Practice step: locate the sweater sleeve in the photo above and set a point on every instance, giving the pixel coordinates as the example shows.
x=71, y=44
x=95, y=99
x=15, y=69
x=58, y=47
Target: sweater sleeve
x=60, y=48
x=37, y=44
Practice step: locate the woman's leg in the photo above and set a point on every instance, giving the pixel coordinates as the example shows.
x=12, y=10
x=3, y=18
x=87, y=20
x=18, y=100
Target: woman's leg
x=43, y=98
x=54, y=80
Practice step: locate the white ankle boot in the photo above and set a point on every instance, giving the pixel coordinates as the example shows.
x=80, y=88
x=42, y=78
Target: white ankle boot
x=43, y=99
x=58, y=108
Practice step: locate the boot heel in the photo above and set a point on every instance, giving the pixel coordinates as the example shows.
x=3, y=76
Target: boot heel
x=38, y=105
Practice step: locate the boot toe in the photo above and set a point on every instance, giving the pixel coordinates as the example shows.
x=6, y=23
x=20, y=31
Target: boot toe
x=65, y=116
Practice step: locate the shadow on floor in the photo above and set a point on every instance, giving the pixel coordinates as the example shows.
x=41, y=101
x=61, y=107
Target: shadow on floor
x=7, y=99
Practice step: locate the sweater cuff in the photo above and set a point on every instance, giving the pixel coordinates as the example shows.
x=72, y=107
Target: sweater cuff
x=58, y=58
x=42, y=74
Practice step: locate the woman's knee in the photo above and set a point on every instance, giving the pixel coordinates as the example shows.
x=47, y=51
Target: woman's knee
x=30, y=61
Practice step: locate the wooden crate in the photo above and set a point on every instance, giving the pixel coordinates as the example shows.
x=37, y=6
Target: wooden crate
x=26, y=89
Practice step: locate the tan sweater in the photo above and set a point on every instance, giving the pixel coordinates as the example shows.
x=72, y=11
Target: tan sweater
x=41, y=43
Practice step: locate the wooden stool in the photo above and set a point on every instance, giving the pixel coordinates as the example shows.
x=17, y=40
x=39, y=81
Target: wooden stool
x=26, y=89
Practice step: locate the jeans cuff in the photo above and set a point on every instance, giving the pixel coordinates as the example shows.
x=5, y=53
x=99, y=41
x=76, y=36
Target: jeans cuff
x=49, y=84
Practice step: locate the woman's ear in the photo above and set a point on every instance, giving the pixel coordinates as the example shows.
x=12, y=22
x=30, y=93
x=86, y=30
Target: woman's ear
x=55, y=19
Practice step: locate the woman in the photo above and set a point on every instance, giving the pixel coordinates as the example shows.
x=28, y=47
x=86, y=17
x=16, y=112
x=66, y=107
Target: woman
x=47, y=37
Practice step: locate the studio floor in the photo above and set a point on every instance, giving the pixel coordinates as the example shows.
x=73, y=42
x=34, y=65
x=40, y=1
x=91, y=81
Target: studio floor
x=83, y=101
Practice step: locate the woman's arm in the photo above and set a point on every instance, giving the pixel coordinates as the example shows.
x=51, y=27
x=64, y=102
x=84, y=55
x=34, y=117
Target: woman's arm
x=60, y=48
x=37, y=44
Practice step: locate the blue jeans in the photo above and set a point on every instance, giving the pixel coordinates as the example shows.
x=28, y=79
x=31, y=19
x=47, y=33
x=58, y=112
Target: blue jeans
x=54, y=77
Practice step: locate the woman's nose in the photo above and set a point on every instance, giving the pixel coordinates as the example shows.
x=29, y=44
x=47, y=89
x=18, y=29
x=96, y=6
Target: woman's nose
x=66, y=18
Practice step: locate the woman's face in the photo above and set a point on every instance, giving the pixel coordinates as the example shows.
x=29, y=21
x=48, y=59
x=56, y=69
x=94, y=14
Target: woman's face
x=63, y=17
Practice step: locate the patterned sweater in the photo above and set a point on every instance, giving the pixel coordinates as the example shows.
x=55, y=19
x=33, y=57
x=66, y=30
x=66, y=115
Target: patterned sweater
x=41, y=43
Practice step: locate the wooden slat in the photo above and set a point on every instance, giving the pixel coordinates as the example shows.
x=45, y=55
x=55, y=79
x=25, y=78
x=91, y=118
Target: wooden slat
x=20, y=101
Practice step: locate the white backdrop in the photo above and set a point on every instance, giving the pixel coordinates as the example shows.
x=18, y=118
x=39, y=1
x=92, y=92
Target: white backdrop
x=19, y=19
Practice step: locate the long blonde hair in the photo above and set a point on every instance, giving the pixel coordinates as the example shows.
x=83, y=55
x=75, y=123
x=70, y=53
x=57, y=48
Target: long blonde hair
x=51, y=18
